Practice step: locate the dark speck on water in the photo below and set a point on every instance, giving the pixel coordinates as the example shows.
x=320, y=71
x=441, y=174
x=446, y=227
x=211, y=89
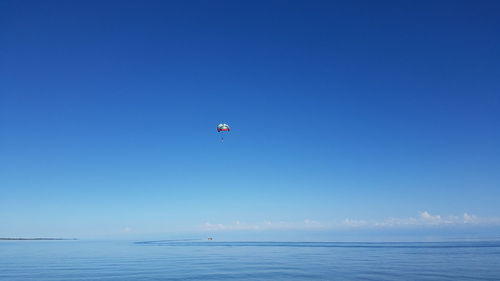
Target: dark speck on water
x=197, y=260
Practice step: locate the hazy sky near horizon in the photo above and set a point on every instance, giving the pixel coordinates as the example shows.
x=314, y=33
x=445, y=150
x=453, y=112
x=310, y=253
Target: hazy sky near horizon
x=344, y=114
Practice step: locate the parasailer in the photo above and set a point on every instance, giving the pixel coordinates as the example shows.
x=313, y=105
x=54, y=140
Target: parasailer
x=223, y=129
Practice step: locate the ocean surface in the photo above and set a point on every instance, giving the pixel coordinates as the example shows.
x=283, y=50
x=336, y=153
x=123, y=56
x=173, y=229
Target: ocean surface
x=190, y=260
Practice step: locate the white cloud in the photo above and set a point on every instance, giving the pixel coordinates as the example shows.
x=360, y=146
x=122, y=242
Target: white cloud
x=425, y=216
x=424, y=219
x=265, y=225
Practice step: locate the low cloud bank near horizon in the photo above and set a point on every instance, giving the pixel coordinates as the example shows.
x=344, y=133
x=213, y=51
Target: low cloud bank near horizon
x=424, y=219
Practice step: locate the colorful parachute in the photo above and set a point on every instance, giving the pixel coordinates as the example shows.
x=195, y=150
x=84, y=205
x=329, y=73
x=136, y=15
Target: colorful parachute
x=223, y=129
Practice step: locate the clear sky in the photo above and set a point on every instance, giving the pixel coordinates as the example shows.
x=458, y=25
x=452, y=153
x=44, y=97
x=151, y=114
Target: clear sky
x=345, y=115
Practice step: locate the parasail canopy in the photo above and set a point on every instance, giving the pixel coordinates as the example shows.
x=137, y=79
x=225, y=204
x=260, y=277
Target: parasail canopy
x=223, y=128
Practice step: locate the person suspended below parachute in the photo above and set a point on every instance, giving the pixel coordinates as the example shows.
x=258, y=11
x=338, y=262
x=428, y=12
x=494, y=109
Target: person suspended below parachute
x=223, y=129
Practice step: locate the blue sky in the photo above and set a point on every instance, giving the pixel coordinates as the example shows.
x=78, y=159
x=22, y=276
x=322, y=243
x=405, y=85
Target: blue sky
x=350, y=114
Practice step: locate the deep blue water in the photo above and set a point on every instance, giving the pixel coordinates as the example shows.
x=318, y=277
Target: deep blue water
x=188, y=260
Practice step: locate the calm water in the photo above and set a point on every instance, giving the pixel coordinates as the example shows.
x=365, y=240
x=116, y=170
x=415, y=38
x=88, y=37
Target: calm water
x=89, y=260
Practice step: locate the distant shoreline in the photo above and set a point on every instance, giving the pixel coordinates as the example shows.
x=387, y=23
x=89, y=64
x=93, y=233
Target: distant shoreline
x=24, y=239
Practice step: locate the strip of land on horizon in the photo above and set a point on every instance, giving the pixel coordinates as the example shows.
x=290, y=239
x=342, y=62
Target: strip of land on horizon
x=38, y=238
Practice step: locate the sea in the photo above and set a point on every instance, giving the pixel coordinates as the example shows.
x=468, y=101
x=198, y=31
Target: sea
x=199, y=260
